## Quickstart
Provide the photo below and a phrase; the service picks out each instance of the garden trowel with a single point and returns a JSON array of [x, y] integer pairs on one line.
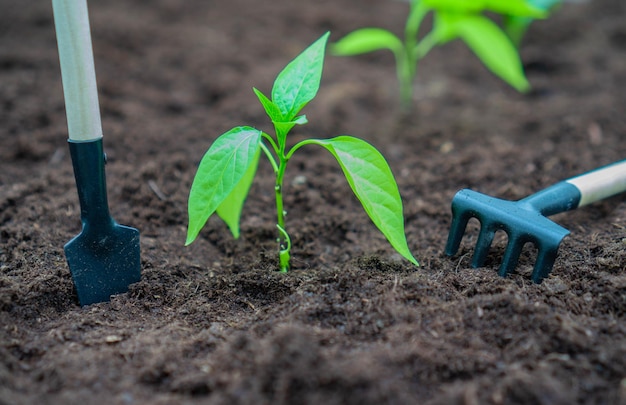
[[104, 258]]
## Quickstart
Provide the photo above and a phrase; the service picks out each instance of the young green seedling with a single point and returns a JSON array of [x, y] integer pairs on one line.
[[227, 170], [452, 19]]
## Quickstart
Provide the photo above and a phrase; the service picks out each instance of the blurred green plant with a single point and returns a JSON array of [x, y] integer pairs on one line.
[[452, 19], [227, 170]]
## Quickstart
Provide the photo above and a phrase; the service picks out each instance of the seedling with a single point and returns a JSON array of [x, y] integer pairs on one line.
[[452, 19], [227, 170]]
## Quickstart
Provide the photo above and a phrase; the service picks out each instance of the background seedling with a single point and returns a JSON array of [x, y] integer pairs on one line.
[[227, 170], [452, 19]]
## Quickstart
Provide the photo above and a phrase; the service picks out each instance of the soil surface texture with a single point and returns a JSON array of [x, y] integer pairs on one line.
[[353, 322]]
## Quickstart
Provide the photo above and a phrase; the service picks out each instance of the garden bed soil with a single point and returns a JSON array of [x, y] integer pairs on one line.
[[214, 323]]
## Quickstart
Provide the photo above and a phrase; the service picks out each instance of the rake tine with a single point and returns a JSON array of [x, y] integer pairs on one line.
[[485, 238], [460, 219], [511, 255], [545, 260]]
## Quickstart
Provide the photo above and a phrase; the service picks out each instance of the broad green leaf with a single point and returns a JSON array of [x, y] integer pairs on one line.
[[366, 40], [221, 169], [270, 108], [230, 209], [522, 8], [299, 82], [455, 6], [494, 48], [373, 183]]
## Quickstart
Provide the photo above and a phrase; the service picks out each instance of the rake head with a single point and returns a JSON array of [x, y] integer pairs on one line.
[[520, 220]]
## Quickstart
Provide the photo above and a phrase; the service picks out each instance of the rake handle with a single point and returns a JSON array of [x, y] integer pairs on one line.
[[601, 183], [580, 190]]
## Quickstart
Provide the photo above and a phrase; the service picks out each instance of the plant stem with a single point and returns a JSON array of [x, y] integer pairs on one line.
[[425, 45], [283, 237], [284, 253], [406, 80], [279, 167], [407, 66]]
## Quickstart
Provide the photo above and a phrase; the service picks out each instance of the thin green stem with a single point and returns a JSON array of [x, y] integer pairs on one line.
[[278, 188], [279, 167], [284, 241], [408, 58], [299, 145], [271, 141], [425, 45], [405, 77], [270, 157], [285, 251]]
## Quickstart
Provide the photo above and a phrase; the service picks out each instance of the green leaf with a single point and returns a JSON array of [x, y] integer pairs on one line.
[[495, 49], [455, 6], [373, 183], [521, 8], [230, 209], [299, 82], [282, 128], [220, 171], [489, 43], [270, 108], [366, 40]]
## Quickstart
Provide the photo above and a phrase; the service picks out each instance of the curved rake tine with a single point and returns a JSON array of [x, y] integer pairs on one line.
[[457, 229], [545, 260], [485, 238], [511, 255]]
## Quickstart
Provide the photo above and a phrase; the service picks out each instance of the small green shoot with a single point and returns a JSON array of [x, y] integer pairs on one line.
[[453, 19], [227, 170]]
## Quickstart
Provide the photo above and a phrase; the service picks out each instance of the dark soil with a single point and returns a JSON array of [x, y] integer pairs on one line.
[[353, 322]]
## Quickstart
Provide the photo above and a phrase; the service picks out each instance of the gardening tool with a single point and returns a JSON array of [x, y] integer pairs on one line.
[[525, 220], [104, 258]]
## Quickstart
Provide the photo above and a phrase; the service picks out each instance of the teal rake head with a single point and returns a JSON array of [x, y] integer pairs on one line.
[[525, 221], [521, 222]]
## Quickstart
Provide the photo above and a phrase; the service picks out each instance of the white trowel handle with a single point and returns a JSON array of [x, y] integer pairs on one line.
[[71, 21]]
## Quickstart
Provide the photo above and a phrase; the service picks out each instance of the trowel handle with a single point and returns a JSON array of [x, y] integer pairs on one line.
[[580, 190], [77, 69], [88, 161], [601, 183]]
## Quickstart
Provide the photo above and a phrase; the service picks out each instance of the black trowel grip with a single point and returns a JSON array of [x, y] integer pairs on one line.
[[88, 160]]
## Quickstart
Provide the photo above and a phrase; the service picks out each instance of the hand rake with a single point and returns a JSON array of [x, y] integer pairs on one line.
[[525, 220]]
